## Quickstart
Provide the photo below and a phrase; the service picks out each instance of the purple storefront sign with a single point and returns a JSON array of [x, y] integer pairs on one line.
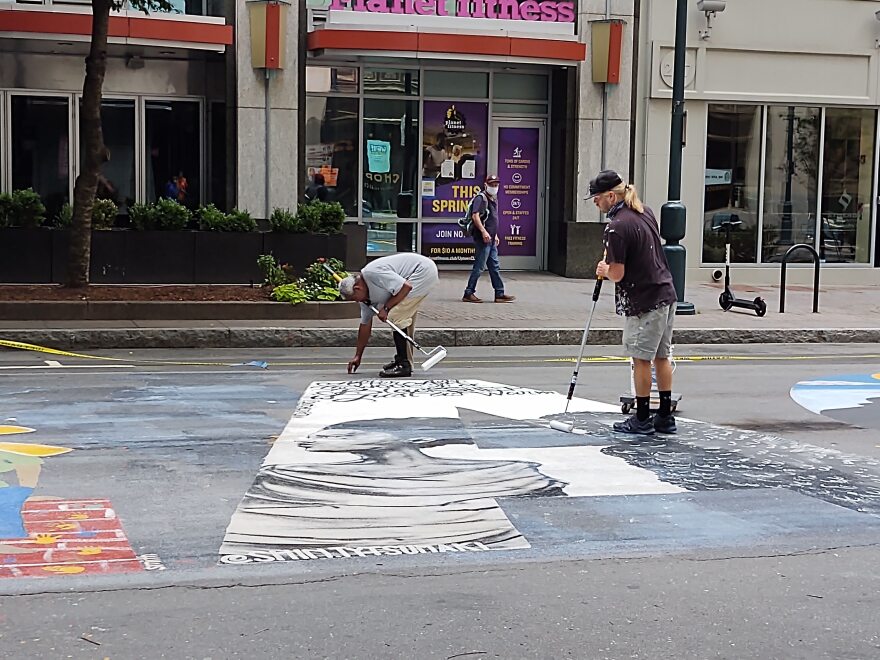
[[518, 150], [446, 242]]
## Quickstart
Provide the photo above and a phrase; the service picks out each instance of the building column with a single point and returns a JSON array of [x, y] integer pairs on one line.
[[250, 118]]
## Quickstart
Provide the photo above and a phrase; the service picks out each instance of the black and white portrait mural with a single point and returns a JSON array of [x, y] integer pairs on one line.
[[381, 468]]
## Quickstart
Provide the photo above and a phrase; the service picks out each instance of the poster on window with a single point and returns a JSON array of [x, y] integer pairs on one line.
[[518, 150], [454, 153]]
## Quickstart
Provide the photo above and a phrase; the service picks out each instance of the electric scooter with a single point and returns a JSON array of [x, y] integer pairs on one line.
[[727, 300]]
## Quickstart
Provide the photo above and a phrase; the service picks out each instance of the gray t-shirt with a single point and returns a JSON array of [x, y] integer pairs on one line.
[[386, 275]]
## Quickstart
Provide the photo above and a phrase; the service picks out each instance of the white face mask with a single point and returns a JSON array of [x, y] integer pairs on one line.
[[492, 190]]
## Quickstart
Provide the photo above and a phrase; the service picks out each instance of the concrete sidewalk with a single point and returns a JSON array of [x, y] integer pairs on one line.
[[548, 310]]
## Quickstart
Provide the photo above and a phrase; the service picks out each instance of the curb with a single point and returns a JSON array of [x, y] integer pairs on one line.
[[269, 337]]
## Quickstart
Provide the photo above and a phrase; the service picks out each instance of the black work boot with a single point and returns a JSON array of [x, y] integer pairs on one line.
[[391, 364], [399, 370]]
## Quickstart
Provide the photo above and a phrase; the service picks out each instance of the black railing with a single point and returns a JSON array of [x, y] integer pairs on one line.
[[793, 248]]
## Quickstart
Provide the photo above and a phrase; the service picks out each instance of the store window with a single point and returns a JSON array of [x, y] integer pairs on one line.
[[457, 84], [791, 180], [331, 147], [520, 86], [391, 81], [173, 151], [40, 148], [325, 79], [847, 180], [390, 164], [116, 180], [732, 181]]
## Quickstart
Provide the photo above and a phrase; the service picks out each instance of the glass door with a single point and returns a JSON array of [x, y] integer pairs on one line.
[[519, 150]]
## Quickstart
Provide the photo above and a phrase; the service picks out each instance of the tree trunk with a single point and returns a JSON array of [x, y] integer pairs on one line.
[[94, 152]]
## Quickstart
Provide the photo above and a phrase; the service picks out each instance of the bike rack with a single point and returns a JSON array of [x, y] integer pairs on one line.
[[815, 254]]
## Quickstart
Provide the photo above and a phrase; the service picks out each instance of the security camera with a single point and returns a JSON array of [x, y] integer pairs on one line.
[[717, 274], [711, 5]]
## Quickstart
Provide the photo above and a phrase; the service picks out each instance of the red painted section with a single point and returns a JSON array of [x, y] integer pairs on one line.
[[615, 47], [69, 537], [446, 43], [40, 22], [273, 36]]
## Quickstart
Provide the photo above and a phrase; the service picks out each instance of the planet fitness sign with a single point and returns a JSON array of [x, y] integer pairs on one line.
[[547, 11]]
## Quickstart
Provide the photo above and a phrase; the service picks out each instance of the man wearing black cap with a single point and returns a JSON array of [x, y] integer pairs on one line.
[[645, 295], [484, 213]]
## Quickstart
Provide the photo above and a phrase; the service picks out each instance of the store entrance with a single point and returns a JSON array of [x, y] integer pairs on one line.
[[518, 150]]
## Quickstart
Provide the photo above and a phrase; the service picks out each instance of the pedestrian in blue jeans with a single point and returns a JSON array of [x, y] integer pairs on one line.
[[484, 214]]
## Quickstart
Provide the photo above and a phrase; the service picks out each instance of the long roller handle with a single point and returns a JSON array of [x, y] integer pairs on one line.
[[597, 289]]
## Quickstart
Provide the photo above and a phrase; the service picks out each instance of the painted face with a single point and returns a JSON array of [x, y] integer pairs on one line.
[[351, 440]]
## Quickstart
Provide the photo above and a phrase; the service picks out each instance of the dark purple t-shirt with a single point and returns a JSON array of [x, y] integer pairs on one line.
[[633, 239]]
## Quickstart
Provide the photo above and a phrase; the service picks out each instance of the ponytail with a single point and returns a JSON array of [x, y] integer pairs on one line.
[[630, 196]]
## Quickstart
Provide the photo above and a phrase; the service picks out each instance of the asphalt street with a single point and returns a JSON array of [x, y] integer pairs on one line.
[[727, 562]]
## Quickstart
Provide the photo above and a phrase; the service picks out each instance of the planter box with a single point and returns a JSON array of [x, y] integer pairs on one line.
[[301, 250], [227, 257], [160, 257], [108, 261], [26, 255]]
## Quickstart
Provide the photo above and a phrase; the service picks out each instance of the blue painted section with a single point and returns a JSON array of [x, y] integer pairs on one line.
[[12, 499]]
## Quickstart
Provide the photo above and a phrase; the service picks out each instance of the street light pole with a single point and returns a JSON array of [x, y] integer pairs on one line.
[[673, 214]]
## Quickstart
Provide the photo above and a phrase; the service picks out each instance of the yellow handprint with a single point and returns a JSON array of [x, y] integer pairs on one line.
[[78, 516], [46, 539], [64, 527], [90, 551], [64, 569]]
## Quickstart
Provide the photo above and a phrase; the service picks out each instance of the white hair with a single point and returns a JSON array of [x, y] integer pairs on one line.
[[346, 287]]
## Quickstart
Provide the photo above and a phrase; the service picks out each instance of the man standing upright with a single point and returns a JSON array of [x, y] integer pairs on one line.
[[484, 214], [396, 286], [644, 293]]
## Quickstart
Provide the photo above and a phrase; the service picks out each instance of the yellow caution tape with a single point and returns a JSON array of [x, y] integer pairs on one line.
[[20, 345]]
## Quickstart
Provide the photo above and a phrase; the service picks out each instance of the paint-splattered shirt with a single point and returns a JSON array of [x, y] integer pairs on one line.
[[633, 239]]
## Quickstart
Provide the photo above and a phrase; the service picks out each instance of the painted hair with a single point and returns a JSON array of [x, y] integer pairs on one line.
[[630, 196], [418, 431]]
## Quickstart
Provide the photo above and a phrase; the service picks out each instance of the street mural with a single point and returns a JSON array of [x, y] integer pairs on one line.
[[42, 535], [850, 398], [369, 468]]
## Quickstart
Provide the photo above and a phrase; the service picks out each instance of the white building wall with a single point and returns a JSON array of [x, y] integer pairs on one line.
[[792, 52]]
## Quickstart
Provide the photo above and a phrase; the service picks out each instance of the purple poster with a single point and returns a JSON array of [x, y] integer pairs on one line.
[[518, 150], [454, 140]]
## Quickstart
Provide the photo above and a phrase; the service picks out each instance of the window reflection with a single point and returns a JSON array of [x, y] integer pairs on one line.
[[40, 148], [173, 151], [733, 167], [331, 147], [847, 178], [791, 180], [116, 180], [391, 147]]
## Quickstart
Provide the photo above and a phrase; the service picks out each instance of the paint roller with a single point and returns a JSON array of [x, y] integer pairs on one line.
[[432, 357], [568, 427]]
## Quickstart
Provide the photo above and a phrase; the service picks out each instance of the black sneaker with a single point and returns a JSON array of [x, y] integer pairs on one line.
[[665, 424], [633, 425], [397, 371]]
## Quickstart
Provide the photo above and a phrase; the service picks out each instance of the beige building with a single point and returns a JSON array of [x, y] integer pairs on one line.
[[781, 130]]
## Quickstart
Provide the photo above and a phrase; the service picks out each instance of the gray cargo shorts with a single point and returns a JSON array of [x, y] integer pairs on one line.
[[649, 336]]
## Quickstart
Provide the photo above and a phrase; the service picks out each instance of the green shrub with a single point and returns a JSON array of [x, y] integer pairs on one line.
[[324, 286], [64, 217], [332, 217], [170, 215], [308, 216], [273, 274], [5, 208], [26, 209], [282, 220], [142, 216], [211, 218], [289, 293], [104, 214], [240, 221]]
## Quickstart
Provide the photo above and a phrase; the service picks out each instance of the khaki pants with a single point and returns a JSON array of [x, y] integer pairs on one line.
[[403, 315]]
